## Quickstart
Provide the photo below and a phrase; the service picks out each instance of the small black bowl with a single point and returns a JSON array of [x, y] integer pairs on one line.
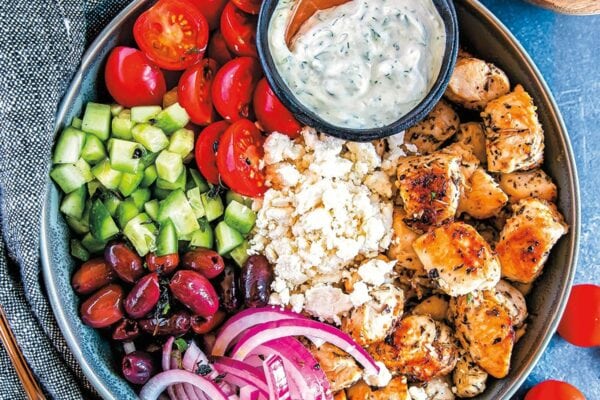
[[308, 117]]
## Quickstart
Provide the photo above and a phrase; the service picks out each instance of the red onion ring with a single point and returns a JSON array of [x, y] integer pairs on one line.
[[158, 383]]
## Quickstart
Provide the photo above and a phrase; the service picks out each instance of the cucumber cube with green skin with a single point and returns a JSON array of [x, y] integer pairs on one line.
[[150, 176], [68, 177], [108, 177], [121, 128], [93, 186], [177, 208], [78, 251], [199, 181], [111, 202], [151, 208], [172, 118], [96, 120], [213, 206], [140, 197], [227, 238], [93, 150], [240, 217], [231, 196], [76, 123], [143, 114], [93, 245], [169, 166], [204, 236], [151, 137], [115, 109], [240, 254], [178, 184], [130, 182], [182, 142], [85, 169], [167, 242], [126, 212], [125, 155], [195, 200], [161, 194], [73, 204], [141, 232], [102, 225], [69, 146], [79, 226]]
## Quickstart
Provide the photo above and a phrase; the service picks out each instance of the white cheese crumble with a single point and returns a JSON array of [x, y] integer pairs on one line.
[[380, 380]]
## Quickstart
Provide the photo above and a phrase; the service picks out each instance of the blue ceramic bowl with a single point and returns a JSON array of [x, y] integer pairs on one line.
[[482, 34]]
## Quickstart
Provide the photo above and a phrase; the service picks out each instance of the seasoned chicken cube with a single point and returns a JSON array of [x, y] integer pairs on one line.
[[514, 136], [468, 162], [468, 377], [482, 197], [374, 320], [437, 127], [458, 259], [435, 306], [341, 395], [485, 328], [396, 390], [471, 136], [429, 187], [534, 183], [339, 367], [401, 248], [527, 238], [513, 300], [438, 388], [419, 348], [475, 82]]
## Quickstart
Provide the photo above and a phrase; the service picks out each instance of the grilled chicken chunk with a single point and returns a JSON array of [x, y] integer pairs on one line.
[[341, 395], [475, 82], [485, 328], [468, 377], [436, 389], [429, 187], [471, 136], [482, 197], [468, 162], [435, 306], [514, 136], [397, 389], [419, 348], [513, 300], [458, 259], [521, 185], [437, 127], [339, 367], [527, 238]]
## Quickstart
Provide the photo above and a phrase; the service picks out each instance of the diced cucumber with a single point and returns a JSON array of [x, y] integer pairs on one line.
[[68, 146], [151, 137], [151, 208], [68, 177], [78, 251], [96, 120], [169, 166], [111, 202], [93, 150], [240, 217], [85, 169], [178, 209], [199, 181], [203, 237], [141, 232], [167, 242], [172, 118], [240, 254], [126, 212], [149, 158], [130, 182], [182, 142], [115, 109], [102, 226], [140, 197], [125, 155], [231, 196], [93, 186], [93, 245], [76, 123], [213, 206], [178, 184], [143, 114], [193, 196], [79, 226], [108, 177], [150, 176], [121, 127], [161, 194], [227, 238], [73, 204]]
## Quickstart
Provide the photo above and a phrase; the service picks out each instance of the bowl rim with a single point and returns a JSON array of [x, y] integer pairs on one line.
[[308, 117], [489, 18]]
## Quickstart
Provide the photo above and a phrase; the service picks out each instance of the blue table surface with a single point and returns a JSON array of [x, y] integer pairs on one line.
[[566, 49]]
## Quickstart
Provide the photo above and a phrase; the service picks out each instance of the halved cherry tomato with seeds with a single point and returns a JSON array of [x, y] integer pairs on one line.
[[271, 113], [249, 6], [239, 31], [206, 150], [238, 157], [172, 34], [233, 87], [194, 92], [218, 50], [211, 9]]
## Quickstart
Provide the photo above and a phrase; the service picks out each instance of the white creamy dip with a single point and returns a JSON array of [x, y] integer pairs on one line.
[[363, 64]]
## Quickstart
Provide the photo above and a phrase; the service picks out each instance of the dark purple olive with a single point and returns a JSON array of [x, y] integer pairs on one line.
[[205, 261], [164, 265], [256, 279], [92, 275], [201, 325], [127, 329], [195, 292], [125, 262], [230, 295], [143, 297], [138, 367], [104, 307], [176, 325]]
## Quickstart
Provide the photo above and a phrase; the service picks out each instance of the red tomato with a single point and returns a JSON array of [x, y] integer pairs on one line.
[[133, 80], [249, 6], [194, 92], [233, 87], [554, 390], [211, 9], [172, 34], [240, 151], [271, 113], [239, 31], [206, 150], [218, 50], [580, 324]]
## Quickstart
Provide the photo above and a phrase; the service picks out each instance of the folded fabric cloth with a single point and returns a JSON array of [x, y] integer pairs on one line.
[[41, 44]]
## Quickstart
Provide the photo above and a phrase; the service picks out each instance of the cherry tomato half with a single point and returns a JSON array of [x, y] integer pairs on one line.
[[239, 31], [218, 50], [206, 150], [194, 92], [554, 390], [211, 9], [133, 80], [580, 324], [249, 6], [240, 151], [271, 113], [233, 87], [172, 34]]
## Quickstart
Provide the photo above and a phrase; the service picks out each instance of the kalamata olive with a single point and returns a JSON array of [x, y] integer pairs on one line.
[[127, 329], [125, 262], [205, 261], [230, 295], [104, 307], [164, 265], [256, 279], [143, 297], [195, 292], [92, 275], [176, 325], [138, 367], [202, 325]]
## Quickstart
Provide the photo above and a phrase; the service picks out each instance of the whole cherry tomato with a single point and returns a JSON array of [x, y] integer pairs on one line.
[[580, 324], [172, 34], [218, 50], [554, 390], [271, 113], [249, 6], [211, 9], [240, 151], [194, 92], [206, 150], [239, 31], [132, 79], [233, 87]]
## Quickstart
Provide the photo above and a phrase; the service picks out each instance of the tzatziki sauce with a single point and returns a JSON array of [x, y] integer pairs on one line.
[[363, 64]]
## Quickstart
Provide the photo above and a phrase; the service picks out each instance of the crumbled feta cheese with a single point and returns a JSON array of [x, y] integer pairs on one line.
[[327, 303], [380, 380], [360, 294], [375, 271]]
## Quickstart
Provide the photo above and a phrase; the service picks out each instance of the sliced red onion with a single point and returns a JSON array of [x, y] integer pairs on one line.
[[166, 363], [158, 383], [180, 390], [128, 347], [193, 355], [249, 393], [247, 319], [279, 388], [240, 374]]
